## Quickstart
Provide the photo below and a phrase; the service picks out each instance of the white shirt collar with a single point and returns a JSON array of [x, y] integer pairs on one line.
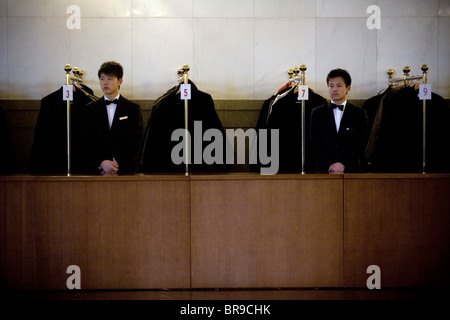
[[117, 97]]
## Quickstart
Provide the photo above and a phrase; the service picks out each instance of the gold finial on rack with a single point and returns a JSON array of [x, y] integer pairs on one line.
[[424, 69], [390, 73], [406, 71], [67, 68], [290, 73], [77, 72], [76, 75], [303, 69], [185, 68], [296, 72], [180, 75]]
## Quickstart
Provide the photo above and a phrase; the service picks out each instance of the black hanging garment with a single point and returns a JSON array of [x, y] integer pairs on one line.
[[396, 141], [283, 111], [371, 105], [49, 149], [168, 115], [7, 158]]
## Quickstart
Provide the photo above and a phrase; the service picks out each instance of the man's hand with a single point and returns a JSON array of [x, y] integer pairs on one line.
[[336, 168], [109, 168]]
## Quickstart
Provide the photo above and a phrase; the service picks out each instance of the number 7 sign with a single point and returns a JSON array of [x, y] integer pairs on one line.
[[303, 93]]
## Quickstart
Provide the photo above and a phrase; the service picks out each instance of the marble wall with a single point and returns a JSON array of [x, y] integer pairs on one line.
[[237, 49]]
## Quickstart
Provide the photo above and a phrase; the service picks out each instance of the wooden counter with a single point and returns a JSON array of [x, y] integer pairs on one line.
[[284, 231], [224, 231], [400, 223], [17, 232], [123, 232]]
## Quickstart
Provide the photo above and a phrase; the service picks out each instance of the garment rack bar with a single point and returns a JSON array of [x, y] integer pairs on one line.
[[406, 77]]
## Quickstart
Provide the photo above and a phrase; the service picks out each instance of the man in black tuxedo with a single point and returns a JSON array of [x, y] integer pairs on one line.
[[339, 129], [112, 127]]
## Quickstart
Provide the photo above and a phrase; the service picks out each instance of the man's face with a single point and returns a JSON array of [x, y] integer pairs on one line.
[[337, 89], [110, 84]]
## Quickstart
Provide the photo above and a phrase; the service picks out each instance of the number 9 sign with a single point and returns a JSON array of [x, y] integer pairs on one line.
[[425, 91]]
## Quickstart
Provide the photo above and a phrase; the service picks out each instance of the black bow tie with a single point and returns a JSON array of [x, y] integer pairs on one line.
[[334, 106], [107, 102]]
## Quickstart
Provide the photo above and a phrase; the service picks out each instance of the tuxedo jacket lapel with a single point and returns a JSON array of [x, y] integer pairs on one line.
[[117, 115], [103, 113], [346, 119], [331, 123], [122, 110]]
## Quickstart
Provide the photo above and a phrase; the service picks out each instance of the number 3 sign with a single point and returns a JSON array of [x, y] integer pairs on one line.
[[68, 92], [425, 91]]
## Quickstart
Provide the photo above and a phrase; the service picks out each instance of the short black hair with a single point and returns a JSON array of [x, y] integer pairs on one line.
[[111, 68], [340, 73]]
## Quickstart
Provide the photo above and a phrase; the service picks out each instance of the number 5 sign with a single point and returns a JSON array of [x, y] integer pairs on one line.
[[68, 92], [425, 91], [185, 92]]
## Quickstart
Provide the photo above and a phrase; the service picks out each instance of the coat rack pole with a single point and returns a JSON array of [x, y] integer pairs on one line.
[[424, 69], [186, 119], [68, 68], [303, 69]]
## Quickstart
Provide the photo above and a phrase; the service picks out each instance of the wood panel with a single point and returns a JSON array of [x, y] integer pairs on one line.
[[400, 223], [224, 231], [17, 235], [122, 234], [266, 232]]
